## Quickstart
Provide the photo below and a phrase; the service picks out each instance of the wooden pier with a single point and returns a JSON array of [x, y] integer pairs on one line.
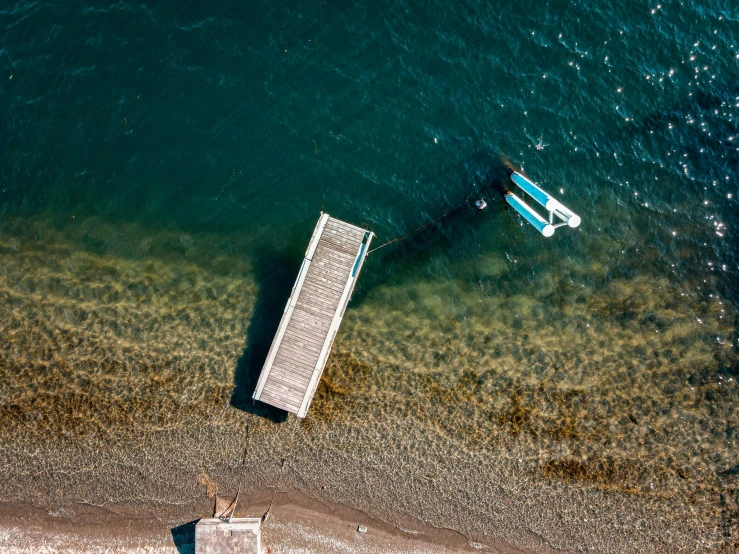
[[312, 315]]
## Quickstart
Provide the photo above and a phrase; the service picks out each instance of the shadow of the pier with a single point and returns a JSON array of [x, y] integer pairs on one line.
[[183, 537], [275, 273]]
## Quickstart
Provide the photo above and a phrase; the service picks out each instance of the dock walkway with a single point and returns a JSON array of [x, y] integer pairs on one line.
[[312, 315]]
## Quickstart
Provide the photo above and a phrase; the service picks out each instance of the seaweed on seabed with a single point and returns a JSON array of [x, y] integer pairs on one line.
[[344, 376], [605, 472]]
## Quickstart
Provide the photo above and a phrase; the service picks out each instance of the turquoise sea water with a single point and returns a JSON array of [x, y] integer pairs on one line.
[[163, 166]]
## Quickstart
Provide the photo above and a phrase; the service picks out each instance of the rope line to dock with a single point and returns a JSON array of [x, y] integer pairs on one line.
[[248, 426], [282, 470], [418, 228]]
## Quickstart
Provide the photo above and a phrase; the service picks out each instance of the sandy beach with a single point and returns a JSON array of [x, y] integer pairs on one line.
[[295, 524]]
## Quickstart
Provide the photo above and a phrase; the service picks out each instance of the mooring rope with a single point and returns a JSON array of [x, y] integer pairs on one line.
[[282, 469], [418, 228], [283, 462], [246, 442]]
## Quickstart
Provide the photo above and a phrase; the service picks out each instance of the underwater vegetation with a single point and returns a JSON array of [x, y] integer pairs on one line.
[[611, 381]]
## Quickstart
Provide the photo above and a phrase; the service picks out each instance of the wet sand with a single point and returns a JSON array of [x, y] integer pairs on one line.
[[295, 524]]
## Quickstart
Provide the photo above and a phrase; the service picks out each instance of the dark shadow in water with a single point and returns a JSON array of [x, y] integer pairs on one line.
[[275, 272], [275, 275], [705, 107], [700, 102], [482, 175], [183, 537]]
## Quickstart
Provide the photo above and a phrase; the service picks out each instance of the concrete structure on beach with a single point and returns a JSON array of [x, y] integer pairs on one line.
[[239, 535], [312, 315]]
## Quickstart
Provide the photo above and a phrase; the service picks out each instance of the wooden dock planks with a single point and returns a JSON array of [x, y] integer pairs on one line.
[[312, 315]]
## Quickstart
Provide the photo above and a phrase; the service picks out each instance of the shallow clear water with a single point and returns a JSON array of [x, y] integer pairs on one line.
[[163, 167]]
